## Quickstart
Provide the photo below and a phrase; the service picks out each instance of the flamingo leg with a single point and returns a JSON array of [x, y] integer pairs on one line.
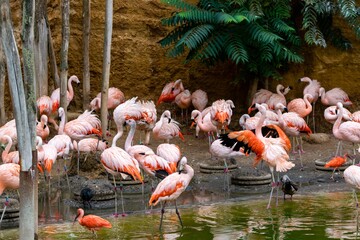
[[332, 175], [3, 213], [277, 189], [313, 116], [65, 170], [338, 148], [273, 184], [162, 214], [302, 166], [178, 214], [356, 199], [116, 211], [78, 159], [226, 178]]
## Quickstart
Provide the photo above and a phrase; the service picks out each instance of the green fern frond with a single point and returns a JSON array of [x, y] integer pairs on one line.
[[280, 26], [225, 18], [198, 16], [236, 50], [315, 36], [212, 48], [176, 51], [175, 35], [255, 6], [260, 34], [196, 36], [266, 53], [250, 16], [310, 17], [348, 8]]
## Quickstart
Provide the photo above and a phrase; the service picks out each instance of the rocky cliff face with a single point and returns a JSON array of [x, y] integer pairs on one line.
[[139, 66]]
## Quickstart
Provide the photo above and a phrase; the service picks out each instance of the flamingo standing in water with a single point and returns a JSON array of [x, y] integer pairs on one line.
[[273, 150], [352, 177], [167, 128], [91, 222], [170, 91], [313, 89], [346, 131], [42, 128], [55, 95], [199, 99], [171, 187], [333, 96]]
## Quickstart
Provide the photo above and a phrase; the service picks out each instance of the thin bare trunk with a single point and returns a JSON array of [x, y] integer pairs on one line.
[[252, 90], [106, 65], [86, 63], [65, 10], [53, 65], [27, 215], [2, 85]]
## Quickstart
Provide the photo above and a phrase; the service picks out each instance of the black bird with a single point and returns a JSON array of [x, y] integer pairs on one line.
[[288, 186], [86, 195]]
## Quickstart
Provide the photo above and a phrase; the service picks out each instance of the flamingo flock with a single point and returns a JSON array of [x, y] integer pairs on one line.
[[265, 135]]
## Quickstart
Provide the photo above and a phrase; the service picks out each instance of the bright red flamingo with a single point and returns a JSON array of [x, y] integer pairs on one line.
[[293, 125], [92, 222], [171, 153], [9, 176], [273, 150], [312, 88], [336, 163], [42, 128], [167, 128], [333, 96], [352, 177], [170, 91], [346, 131], [55, 95], [171, 187], [199, 99], [118, 162]]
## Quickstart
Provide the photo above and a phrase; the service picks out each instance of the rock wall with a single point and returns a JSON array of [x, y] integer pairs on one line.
[[139, 66]]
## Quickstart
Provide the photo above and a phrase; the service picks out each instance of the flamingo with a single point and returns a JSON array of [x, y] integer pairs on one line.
[[273, 150], [346, 131], [312, 88], [199, 99], [46, 159], [42, 128], [171, 153], [45, 106], [6, 155], [293, 125], [336, 163], [278, 97], [170, 91], [171, 187], [183, 101], [151, 163], [91, 222], [9, 176], [221, 112], [9, 129], [333, 96], [118, 162], [167, 128], [352, 177], [301, 106], [90, 145], [115, 98], [148, 119], [330, 114], [55, 95], [203, 123]]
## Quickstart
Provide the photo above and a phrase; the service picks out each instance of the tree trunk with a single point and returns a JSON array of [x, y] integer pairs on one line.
[[41, 49], [65, 10], [106, 65], [53, 65], [2, 85], [86, 63], [252, 90], [27, 219]]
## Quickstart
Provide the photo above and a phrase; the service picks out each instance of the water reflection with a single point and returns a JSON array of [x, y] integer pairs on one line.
[[326, 216]]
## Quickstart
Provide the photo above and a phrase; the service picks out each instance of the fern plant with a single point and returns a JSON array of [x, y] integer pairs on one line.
[[256, 35]]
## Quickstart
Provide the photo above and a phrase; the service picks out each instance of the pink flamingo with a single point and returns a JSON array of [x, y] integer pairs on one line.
[[6, 155], [273, 150], [204, 124], [333, 96], [221, 113], [278, 97], [118, 162], [115, 98], [313, 89], [46, 158], [9, 176], [167, 128], [170, 91], [183, 101], [352, 177], [248, 123], [55, 95], [346, 131], [330, 114], [271, 116], [147, 122], [293, 125], [9, 129], [90, 145], [199, 99], [42, 128], [301, 106], [171, 187], [171, 153], [45, 106]]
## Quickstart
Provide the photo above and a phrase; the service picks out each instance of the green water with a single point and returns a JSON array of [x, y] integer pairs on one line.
[[325, 216]]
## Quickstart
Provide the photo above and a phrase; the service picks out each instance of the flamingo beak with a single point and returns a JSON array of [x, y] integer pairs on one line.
[[193, 123], [75, 219]]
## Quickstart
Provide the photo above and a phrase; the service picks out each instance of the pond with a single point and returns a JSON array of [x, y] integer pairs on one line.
[[317, 216]]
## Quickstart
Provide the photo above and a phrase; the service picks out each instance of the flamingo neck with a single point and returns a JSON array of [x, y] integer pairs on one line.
[[337, 123], [8, 146], [117, 136], [281, 118], [130, 137], [278, 89], [70, 88], [258, 132], [62, 125], [98, 102], [307, 102]]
